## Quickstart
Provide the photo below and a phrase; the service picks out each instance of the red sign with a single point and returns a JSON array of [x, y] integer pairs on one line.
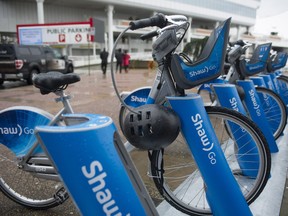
[[62, 38], [78, 37]]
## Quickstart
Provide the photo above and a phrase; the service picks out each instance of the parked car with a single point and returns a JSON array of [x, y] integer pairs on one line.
[[23, 61]]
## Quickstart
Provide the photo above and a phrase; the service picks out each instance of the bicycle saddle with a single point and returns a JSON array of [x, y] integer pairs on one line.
[[258, 61], [279, 62], [54, 81], [209, 64]]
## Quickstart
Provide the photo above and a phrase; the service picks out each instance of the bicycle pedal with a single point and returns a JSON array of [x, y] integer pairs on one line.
[[61, 195]]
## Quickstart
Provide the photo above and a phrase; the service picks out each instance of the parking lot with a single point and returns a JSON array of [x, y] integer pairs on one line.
[[93, 94]]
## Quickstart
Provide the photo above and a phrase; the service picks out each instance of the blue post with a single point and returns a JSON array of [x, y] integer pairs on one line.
[[283, 91], [223, 192], [258, 81], [228, 97], [92, 170], [268, 81], [256, 112], [275, 82]]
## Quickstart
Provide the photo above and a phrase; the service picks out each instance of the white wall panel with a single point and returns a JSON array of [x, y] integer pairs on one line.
[[14, 12]]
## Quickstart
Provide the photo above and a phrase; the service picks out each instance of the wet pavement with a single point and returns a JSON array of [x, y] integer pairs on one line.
[[93, 94]]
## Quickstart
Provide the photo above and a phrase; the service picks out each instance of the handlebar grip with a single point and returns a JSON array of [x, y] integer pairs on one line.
[[239, 42], [158, 20], [149, 35]]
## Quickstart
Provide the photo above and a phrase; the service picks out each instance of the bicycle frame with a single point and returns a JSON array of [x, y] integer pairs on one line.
[[236, 75], [30, 157], [207, 157]]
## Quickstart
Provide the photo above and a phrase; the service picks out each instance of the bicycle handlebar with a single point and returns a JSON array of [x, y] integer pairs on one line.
[[236, 49], [158, 20], [238, 42], [149, 35], [242, 43]]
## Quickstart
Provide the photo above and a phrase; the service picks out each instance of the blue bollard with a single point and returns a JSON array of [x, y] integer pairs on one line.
[[228, 97], [94, 173], [256, 112], [268, 81], [258, 81], [223, 192], [275, 82]]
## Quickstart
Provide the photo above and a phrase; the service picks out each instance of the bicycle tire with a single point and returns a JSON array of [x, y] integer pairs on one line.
[[275, 110], [283, 88], [178, 166], [21, 186]]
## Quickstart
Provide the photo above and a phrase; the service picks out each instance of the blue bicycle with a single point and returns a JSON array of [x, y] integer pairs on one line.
[[241, 69], [276, 62], [176, 173], [230, 161]]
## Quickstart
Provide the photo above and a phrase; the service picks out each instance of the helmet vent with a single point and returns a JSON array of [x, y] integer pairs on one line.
[[131, 118], [140, 131], [148, 115], [139, 116]]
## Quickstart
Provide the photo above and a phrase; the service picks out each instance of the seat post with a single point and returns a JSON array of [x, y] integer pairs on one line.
[[64, 99]]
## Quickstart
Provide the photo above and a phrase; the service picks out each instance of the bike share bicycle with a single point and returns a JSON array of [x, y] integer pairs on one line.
[[171, 167], [174, 32], [241, 69], [276, 62], [32, 181]]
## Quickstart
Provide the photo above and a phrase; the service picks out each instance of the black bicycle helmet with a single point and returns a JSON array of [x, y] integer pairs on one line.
[[153, 127]]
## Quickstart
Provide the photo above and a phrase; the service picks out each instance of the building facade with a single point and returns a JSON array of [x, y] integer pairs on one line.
[[203, 15]]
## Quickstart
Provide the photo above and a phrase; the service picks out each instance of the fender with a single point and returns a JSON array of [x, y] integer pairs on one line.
[[136, 97], [206, 86], [17, 127]]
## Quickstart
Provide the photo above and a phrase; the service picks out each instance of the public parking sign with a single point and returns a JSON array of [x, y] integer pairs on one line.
[[55, 33]]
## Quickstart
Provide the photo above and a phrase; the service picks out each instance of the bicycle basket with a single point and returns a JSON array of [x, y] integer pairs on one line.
[[258, 61], [210, 64], [278, 63]]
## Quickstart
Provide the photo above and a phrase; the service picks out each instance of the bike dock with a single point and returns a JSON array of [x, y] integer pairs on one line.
[[270, 200]]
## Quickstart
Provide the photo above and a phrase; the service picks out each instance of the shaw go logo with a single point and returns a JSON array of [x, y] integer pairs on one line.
[[17, 130]]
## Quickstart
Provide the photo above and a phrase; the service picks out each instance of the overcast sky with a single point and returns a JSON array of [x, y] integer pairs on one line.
[[272, 16]]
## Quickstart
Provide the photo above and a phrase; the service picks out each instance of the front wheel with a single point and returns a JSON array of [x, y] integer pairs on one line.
[[274, 109], [178, 179], [17, 137], [32, 73]]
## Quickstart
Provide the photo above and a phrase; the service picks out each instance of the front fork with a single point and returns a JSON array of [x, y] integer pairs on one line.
[[223, 193]]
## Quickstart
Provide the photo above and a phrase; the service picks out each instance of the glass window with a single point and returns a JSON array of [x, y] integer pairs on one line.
[[24, 51], [57, 54], [35, 51], [6, 50]]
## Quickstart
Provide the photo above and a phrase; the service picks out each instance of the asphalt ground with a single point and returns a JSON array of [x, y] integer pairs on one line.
[[93, 94]]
